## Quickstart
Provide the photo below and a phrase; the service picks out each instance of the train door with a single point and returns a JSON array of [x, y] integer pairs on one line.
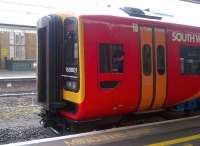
[[160, 76], [153, 68]]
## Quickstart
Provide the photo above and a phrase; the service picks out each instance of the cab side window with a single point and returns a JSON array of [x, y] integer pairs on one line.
[[117, 58], [104, 58], [111, 58]]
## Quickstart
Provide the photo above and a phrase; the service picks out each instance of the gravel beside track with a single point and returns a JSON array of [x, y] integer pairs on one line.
[[18, 134], [19, 120]]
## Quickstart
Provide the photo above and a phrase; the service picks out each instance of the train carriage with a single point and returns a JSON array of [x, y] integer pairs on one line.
[[93, 67]]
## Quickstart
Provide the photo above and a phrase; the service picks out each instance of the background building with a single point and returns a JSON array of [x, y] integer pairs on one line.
[[18, 46]]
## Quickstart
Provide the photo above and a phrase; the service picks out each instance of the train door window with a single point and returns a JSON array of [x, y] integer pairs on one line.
[[146, 55], [104, 58], [161, 59], [190, 60], [117, 58]]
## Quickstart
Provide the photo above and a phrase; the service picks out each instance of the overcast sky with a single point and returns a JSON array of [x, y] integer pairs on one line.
[[27, 12]]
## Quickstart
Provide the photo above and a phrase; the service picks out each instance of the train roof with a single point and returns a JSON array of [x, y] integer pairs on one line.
[[112, 11], [118, 12]]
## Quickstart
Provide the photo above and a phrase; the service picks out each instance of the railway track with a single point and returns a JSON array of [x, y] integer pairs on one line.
[[17, 86]]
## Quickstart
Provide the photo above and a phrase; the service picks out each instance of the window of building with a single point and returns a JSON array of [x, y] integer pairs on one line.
[[19, 52], [190, 60], [111, 58], [161, 60], [17, 45], [146, 57]]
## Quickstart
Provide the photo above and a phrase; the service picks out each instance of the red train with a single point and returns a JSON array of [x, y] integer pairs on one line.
[[96, 67]]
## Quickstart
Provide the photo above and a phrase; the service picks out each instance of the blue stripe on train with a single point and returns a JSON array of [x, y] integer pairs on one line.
[[188, 106]]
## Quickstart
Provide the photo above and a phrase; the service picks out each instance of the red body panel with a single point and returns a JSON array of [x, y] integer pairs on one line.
[[180, 87], [125, 98]]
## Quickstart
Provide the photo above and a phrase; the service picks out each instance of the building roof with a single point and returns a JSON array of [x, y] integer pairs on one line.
[[17, 28]]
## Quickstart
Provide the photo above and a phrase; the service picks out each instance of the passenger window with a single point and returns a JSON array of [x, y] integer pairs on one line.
[[117, 58], [146, 57], [190, 60], [161, 60], [104, 58]]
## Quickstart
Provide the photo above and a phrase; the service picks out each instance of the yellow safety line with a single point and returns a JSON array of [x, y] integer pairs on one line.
[[176, 141]]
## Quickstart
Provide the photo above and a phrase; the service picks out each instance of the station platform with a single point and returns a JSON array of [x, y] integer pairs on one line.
[[9, 75], [179, 132]]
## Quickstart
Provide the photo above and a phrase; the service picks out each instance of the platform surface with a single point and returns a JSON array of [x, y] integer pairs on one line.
[[180, 132], [6, 74]]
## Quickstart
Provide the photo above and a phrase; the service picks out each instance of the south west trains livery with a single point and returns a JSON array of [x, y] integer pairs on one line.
[[96, 68]]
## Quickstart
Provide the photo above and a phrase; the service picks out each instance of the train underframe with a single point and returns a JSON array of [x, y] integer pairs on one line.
[[63, 125]]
